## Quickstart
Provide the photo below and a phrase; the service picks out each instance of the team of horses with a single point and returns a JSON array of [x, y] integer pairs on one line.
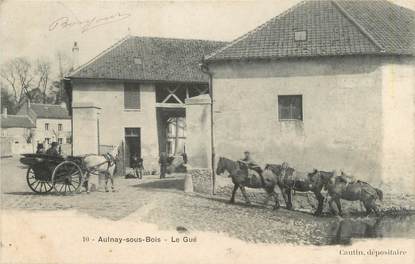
[[281, 175], [289, 180]]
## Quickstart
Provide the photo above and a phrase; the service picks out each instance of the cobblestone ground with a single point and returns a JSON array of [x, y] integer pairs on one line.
[[164, 203]]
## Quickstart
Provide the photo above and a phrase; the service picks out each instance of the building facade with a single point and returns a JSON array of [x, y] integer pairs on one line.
[[136, 91], [321, 86], [52, 124], [16, 134]]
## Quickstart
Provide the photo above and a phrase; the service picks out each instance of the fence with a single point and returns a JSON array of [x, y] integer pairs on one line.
[[14, 146], [6, 146]]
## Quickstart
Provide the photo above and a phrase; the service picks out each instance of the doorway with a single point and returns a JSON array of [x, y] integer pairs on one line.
[[171, 124], [132, 144]]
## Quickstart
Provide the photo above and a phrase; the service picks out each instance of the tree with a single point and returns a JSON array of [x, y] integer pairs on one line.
[[17, 74], [43, 70], [7, 101], [64, 68], [27, 81]]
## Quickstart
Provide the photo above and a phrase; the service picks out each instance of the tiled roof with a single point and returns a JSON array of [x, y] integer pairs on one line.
[[333, 28], [49, 111], [16, 121], [152, 59]]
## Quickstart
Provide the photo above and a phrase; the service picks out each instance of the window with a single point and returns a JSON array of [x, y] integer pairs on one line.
[[131, 96], [59, 127], [300, 35], [46, 126], [132, 131], [290, 107], [69, 140], [47, 140], [60, 140]]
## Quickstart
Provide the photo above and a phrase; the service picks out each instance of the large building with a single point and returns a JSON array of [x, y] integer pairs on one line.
[[136, 91], [326, 85]]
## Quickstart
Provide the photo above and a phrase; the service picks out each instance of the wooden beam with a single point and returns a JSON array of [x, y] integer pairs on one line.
[[170, 105]]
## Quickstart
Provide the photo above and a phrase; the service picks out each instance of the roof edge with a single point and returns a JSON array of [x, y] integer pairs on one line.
[[273, 58], [134, 80], [102, 53]]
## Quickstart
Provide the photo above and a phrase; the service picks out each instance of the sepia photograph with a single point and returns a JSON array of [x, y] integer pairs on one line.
[[207, 131]]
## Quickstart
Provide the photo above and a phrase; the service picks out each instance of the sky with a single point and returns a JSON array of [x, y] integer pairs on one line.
[[37, 29]]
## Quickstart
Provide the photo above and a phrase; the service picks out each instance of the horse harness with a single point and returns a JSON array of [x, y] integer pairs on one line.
[[109, 159], [287, 177], [251, 167]]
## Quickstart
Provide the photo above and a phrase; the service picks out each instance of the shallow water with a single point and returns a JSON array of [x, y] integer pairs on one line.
[[345, 230]]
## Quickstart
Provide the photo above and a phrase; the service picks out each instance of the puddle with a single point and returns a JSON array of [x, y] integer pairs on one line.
[[345, 230]]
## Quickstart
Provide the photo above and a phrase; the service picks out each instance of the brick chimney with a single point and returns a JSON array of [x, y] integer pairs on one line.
[[75, 55]]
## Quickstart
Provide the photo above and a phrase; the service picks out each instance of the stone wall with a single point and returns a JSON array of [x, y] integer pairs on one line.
[[202, 180], [198, 143]]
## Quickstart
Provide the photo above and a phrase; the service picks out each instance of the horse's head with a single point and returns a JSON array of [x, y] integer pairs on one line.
[[115, 152], [220, 168]]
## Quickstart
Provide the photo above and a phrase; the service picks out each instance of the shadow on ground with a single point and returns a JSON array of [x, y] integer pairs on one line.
[[27, 193], [172, 184]]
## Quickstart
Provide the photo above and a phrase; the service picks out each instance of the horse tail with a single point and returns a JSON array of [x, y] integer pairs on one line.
[[379, 193]]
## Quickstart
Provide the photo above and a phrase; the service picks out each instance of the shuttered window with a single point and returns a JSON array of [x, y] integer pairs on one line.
[[131, 96], [290, 107]]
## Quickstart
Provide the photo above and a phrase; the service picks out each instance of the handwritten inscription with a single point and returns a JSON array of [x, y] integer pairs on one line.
[[86, 24]]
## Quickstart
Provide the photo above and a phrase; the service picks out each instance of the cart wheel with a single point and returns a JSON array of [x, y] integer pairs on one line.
[[67, 177], [37, 185]]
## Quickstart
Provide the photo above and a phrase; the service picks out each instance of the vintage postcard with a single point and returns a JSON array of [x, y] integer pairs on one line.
[[207, 131]]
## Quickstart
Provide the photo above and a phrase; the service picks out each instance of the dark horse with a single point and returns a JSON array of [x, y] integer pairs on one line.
[[240, 177], [289, 179], [339, 187]]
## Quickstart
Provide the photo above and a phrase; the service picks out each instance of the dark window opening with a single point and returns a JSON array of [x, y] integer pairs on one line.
[[132, 96], [290, 107]]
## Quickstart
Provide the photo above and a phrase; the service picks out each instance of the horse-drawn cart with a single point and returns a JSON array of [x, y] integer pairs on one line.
[[45, 173]]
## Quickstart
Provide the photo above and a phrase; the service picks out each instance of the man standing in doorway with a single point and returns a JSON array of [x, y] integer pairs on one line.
[[163, 161]]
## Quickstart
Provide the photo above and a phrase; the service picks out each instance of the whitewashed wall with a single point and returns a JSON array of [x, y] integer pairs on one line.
[[398, 100], [342, 113], [109, 96]]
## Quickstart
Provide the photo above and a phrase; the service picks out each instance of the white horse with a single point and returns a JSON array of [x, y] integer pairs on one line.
[[101, 164]]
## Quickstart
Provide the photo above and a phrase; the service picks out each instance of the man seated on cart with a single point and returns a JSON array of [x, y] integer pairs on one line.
[[53, 150]]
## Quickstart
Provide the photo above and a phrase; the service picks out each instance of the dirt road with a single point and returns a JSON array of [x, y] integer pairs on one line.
[[164, 203]]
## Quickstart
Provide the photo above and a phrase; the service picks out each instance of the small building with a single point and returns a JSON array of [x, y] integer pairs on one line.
[[16, 134], [134, 94], [326, 85], [52, 124]]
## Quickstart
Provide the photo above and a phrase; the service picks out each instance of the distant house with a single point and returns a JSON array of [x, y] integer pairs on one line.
[[16, 134], [138, 86], [326, 85], [52, 123]]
